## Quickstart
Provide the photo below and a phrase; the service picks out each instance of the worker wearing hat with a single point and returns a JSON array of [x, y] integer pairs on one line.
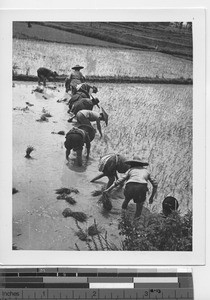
[[75, 78], [87, 116], [83, 103], [136, 178]]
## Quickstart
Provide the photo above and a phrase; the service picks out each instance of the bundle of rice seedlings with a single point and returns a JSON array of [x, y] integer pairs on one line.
[[82, 235], [43, 118], [61, 197], [28, 151], [63, 191], [105, 200], [73, 190], [70, 200], [29, 104], [14, 191], [61, 132], [93, 230], [79, 216], [96, 193], [47, 115]]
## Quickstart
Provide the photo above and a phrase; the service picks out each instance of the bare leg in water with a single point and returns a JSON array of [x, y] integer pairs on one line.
[[79, 157], [67, 154], [139, 207]]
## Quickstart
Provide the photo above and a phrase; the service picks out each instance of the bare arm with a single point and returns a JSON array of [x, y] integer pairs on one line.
[[154, 188], [118, 182], [87, 145], [99, 126]]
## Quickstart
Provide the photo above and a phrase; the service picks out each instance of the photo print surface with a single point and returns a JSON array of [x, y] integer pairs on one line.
[[102, 136]]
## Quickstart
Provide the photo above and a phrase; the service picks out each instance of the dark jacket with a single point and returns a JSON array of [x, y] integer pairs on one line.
[[46, 73], [81, 104]]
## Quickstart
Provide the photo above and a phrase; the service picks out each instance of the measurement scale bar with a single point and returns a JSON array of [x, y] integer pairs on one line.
[[96, 283], [111, 285]]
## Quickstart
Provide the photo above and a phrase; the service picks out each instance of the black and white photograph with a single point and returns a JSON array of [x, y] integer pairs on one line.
[[102, 136], [104, 142]]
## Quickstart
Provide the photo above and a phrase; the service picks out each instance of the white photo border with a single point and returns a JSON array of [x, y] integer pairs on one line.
[[22, 257]]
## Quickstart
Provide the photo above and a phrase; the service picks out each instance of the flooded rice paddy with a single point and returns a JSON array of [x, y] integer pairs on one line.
[[152, 121]]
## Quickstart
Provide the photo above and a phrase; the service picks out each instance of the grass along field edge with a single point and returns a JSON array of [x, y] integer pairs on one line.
[[113, 79]]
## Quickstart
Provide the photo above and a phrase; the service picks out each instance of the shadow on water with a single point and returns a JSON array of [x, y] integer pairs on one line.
[[73, 166]]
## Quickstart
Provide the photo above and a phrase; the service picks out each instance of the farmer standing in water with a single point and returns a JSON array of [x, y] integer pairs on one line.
[[75, 78], [136, 178]]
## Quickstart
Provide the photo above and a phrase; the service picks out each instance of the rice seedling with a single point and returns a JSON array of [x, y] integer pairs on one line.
[[29, 104], [96, 193], [82, 235], [93, 229], [29, 149], [38, 90], [106, 202], [64, 190], [100, 243], [47, 115], [43, 118], [70, 200], [66, 197], [59, 132], [79, 216]]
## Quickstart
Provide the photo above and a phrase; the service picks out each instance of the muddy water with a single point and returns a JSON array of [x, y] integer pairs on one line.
[[153, 121], [37, 214]]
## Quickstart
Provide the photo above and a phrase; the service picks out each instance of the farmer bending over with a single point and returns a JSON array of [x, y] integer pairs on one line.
[[84, 90], [44, 74], [136, 178], [87, 116], [83, 103], [109, 165], [76, 138]]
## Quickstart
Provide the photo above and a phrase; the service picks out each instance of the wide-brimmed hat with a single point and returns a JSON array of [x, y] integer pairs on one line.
[[77, 67], [105, 116], [89, 129], [136, 161]]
